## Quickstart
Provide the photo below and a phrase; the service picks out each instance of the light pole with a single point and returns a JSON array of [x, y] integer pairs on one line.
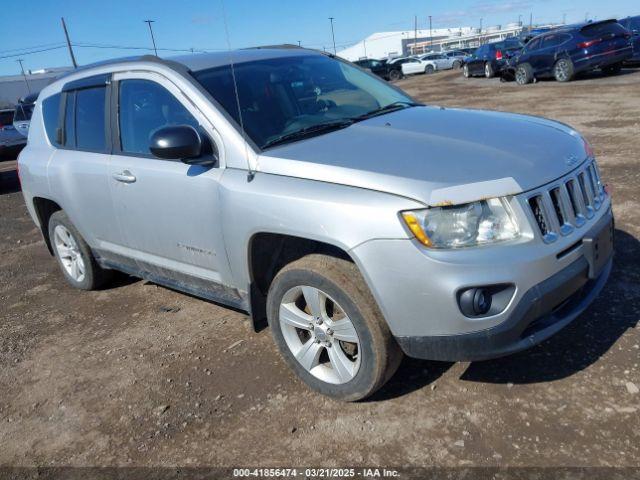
[[333, 37], [24, 75], [519, 20], [153, 40], [431, 34]]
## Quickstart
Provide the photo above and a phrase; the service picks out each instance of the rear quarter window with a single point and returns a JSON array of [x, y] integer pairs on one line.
[[51, 117]]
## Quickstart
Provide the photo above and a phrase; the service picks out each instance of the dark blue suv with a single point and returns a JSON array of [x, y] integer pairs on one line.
[[566, 51], [633, 25]]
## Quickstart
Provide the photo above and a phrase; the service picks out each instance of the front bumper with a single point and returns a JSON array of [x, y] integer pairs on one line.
[[416, 288], [542, 312]]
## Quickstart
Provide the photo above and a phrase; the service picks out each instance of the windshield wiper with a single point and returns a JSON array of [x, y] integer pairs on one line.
[[308, 131], [392, 107]]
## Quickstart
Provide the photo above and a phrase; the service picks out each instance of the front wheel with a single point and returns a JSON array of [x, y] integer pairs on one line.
[[429, 69], [488, 70], [524, 74], [465, 71], [563, 70], [329, 328]]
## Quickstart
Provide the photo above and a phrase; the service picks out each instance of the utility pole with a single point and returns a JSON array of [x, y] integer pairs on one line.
[[520, 20], [415, 34], [299, 44], [24, 75], [480, 34], [153, 40], [364, 44], [531, 21], [66, 34], [564, 18], [333, 37], [431, 34], [586, 16]]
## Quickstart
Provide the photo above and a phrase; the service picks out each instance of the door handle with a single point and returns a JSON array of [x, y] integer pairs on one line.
[[124, 177]]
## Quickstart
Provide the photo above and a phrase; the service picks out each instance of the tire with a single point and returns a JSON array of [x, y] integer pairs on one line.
[[612, 69], [79, 268], [429, 69], [465, 71], [524, 74], [456, 64], [563, 70], [373, 357], [488, 70], [395, 75]]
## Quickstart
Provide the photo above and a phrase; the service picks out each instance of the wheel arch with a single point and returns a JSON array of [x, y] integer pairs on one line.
[[269, 252], [44, 208]]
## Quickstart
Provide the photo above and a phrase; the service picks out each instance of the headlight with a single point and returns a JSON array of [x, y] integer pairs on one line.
[[467, 225]]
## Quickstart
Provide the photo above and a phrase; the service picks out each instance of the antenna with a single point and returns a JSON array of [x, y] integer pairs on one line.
[[250, 170]]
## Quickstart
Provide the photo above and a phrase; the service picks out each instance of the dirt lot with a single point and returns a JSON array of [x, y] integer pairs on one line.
[[140, 375]]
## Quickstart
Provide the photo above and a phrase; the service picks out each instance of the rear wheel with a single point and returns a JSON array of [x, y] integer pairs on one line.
[[563, 70], [488, 70], [429, 69], [612, 69], [457, 64], [465, 71], [329, 329], [74, 256], [524, 74], [395, 75]]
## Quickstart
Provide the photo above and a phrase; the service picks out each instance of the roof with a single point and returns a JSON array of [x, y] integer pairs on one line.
[[202, 61]]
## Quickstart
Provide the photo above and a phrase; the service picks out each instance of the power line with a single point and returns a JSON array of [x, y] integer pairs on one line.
[[32, 52], [44, 45]]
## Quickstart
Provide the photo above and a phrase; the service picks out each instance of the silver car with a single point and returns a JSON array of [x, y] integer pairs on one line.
[[297, 187]]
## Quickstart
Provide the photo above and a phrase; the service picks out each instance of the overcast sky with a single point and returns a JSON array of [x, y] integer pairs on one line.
[[33, 25]]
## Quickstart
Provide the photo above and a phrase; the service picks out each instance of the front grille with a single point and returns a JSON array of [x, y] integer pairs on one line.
[[567, 205]]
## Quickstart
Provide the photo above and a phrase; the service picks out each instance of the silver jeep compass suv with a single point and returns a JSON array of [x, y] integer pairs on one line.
[[300, 188]]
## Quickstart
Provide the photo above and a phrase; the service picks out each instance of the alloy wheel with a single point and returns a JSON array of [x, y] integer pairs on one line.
[[319, 334], [69, 253], [562, 70]]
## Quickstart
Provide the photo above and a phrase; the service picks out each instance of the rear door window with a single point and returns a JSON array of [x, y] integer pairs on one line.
[[90, 119]]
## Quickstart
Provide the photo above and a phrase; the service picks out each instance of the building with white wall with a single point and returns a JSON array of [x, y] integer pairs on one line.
[[394, 44]]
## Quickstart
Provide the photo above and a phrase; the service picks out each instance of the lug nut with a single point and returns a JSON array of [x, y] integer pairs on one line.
[[319, 321], [329, 331]]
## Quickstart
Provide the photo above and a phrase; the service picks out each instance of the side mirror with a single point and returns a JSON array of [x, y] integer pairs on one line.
[[184, 143], [176, 142]]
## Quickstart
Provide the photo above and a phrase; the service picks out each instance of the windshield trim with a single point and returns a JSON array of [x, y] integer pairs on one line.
[[236, 126]]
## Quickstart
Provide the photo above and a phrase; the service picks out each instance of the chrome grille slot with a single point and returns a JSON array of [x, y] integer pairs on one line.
[[556, 200], [586, 195], [566, 206]]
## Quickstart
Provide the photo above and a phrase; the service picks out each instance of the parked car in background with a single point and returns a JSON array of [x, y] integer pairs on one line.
[[458, 57], [412, 65], [633, 25], [381, 68], [564, 52], [441, 61], [529, 34], [24, 110], [11, 142], [293, 185], [491, 58]]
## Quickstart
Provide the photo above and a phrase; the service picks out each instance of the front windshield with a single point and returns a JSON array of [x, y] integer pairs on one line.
[[280, 96]]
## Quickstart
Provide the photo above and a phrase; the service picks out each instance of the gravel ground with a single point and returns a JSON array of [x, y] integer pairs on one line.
[[137, 374]]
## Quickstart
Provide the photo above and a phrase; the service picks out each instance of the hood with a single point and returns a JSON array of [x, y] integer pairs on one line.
[[436, 155]]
